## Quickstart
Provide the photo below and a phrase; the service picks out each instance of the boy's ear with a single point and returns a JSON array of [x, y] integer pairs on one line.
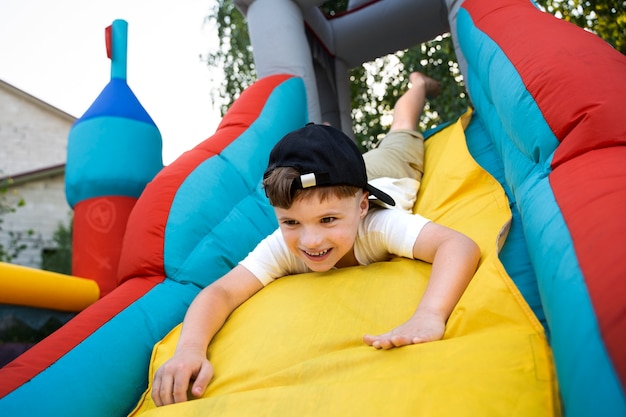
[[365, 203]]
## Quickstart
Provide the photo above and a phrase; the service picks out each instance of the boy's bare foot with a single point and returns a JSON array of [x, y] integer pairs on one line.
[[432, 87]]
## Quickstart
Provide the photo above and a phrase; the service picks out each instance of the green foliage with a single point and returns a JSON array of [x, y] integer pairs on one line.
[[234, 54], [333, 7], [375, 86], [15, 245], [59, 259], [56, 260], [606, 18]]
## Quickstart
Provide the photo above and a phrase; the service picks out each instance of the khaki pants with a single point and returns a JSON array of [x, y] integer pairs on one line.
[[399, 155]]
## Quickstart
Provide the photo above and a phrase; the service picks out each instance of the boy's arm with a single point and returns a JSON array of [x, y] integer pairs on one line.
[[454, 259], [205, 316]]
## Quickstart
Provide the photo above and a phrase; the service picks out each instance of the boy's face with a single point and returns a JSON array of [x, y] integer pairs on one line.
[[322, 233]]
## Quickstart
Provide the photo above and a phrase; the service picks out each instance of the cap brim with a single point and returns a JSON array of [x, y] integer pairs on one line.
[[380, 195]]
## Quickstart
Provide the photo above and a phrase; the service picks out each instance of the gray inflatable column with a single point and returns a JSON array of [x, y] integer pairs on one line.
[[453, 9], [279, 45]]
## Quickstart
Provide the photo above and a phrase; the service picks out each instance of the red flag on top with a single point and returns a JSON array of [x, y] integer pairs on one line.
[[109, 40]]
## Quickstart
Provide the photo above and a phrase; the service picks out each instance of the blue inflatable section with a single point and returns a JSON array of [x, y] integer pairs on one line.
[[514, 253], [203, 232], [111, 156], [117, 100]]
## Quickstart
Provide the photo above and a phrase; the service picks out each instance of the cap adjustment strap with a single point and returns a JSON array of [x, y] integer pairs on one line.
[[308, 180]]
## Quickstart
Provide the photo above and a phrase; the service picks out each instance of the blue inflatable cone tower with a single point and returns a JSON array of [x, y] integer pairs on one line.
[[113, 151]]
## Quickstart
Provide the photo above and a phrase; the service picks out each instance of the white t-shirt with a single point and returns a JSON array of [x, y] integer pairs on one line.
[[382, 234]]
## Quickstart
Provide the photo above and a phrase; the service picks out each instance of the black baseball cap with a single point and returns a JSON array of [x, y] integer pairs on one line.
[[324, 156]]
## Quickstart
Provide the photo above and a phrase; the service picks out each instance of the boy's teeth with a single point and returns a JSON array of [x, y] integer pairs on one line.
[[317, 253]]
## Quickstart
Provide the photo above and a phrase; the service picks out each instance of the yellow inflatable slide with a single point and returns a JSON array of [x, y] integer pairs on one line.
[[295, 348]]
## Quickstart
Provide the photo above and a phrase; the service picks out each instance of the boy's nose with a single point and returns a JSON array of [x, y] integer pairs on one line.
[[311, 238]]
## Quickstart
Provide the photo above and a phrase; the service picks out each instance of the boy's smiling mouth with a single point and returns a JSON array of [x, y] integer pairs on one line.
[[315, 254]]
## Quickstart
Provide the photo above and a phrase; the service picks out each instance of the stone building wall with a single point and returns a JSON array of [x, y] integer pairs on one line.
[[33, 151]]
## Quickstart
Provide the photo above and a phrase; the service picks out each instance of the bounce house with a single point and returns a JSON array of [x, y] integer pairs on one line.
[[534, 173]]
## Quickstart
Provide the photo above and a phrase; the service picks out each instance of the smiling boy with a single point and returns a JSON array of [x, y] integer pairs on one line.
[[317, 182]]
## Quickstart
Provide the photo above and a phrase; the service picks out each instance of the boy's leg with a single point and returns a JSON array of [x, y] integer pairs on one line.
[[401, 153], [409, 107]]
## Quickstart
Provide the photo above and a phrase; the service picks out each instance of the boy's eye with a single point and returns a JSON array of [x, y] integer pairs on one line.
[[328, 219], [290, 222]]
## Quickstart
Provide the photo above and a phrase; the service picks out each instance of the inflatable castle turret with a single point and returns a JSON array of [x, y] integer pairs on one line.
[[114, 150]]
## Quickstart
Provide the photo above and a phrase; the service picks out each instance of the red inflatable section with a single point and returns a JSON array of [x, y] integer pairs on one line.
[[589, 166], [99, 227]]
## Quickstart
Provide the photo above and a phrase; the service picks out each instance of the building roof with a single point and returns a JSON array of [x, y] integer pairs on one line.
[[21, 93], [25, 177]]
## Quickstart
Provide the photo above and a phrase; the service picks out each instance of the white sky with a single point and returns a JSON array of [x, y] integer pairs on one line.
[[55, 51]]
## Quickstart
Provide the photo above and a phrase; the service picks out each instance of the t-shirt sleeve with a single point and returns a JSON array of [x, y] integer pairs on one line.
[[386, 233], [271, 259]]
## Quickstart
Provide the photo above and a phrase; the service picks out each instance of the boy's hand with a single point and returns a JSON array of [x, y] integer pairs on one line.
[[418, 329], [171, 381]]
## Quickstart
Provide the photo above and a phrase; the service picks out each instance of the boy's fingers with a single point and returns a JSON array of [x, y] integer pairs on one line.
[[202, 380], [164, 390], [399, 341], [179, 389], [369, 339], [156, 387], [383, 342], [389, 341], [373, 341]]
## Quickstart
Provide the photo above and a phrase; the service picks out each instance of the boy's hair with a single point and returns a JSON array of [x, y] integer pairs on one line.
[[278, 188]]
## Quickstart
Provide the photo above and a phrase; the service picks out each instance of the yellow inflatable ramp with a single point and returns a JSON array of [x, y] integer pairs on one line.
[[295, 348]]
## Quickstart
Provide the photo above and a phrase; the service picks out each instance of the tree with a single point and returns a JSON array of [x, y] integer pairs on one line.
[[607, 18], [371, 111], [10, 249], [234, 54], [59, 259]]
